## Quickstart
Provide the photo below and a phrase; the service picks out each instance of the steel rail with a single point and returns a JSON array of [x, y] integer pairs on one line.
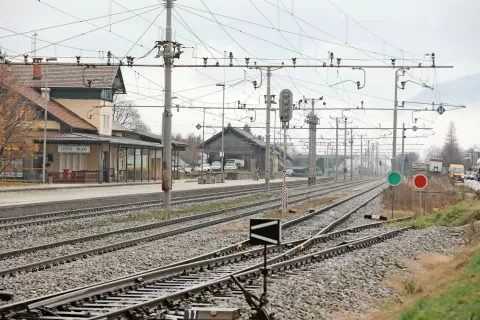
[[16, 252], [77, 213], [157, 304], [176, 269], [48, 263]]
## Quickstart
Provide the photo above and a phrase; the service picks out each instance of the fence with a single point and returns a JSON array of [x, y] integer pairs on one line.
[[33, 175], [75, 176]]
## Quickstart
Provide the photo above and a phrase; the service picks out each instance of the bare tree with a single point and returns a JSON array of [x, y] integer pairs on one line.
[[125, 113], [451, 150], [17, 121], [246, 127], [190, 155], [433, 152]]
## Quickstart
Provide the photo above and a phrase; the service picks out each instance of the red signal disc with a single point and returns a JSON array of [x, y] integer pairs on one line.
[[420, 181]]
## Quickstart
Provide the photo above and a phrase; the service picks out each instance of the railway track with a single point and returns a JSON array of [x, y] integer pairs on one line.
[[159, 291], [59, 260], [44, 218]]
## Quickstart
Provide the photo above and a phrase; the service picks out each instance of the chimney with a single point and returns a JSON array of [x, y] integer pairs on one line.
[[37, 68]]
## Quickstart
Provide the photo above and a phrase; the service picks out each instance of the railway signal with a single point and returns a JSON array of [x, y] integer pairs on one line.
[[394, 179], [420, 182]]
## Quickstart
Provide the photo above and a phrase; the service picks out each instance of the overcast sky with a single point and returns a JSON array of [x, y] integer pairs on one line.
[[374, 32]]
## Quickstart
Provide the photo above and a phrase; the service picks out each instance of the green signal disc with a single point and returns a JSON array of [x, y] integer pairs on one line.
[[394, 178]]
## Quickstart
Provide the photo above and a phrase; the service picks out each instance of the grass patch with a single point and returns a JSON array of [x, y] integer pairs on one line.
[[191, 210], [411, 287], [460, 301], [462, 213], [163, 214]]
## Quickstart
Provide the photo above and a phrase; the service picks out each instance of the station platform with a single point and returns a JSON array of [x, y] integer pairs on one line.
[[41, 200]]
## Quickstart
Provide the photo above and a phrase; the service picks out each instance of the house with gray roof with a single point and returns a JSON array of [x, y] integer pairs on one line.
[[240, 144]]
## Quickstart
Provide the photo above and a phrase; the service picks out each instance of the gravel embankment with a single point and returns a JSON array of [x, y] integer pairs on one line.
[[352, 282], [79, 246], [127, 261], [74, 228], [313, 225]]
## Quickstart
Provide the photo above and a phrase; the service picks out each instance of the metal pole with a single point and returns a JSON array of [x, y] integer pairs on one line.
[[361, 157], [265, 270], [167, 130], [285, 145], [395, 105], [345, 153], [368, 158], [203, 138], [325, 169], [351, 154], [267, 135], [223, 129], [402, 163], [45, 128], [336, 152]]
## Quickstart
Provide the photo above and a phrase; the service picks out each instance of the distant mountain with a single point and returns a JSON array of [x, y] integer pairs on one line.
[[464, 90]]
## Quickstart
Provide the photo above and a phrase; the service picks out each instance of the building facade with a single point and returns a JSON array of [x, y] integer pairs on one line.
[[84, 143]]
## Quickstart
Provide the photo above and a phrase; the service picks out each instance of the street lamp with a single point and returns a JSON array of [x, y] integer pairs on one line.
[[222, 153], [45, 122]]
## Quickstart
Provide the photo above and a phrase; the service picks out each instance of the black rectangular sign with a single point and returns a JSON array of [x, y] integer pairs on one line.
[[265, 231]]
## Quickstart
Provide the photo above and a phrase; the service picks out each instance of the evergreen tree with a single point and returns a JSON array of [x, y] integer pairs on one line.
[[451, 149]]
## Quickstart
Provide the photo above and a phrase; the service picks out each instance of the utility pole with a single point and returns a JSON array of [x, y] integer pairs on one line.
[[203, 138], [336, 152], [267, 135], [351, 154], [47, 98], [345, 153], [367, 156], [361, 157], [285, 124], [168, 56], [222, 153], [402, 163], [312, 121]]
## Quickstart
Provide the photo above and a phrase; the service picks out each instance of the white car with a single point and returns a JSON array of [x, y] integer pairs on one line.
[[289, 172], [188, 169], [216, 165], [230, 166], [206, 168]]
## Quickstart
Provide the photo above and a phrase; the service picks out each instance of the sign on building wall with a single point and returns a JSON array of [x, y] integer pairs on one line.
[[74, 149]]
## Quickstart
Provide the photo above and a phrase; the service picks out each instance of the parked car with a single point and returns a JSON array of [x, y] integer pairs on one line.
[[230, 166], [206, 168], [188, 169], [474, 176], [216, 165], [289, 172]]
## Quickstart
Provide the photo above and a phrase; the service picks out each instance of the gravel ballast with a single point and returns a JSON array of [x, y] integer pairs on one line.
[[352, 282], [119, 263]]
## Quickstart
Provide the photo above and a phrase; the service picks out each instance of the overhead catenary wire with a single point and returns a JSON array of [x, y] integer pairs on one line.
[[76, 22], [87, 32]]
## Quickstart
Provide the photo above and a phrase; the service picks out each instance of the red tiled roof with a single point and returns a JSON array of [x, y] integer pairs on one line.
[[56, 109]]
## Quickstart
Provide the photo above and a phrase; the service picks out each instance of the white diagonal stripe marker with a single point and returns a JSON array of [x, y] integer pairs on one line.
[[263, 225], [253, 235]]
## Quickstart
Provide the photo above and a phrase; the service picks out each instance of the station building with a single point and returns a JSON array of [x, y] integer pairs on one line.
[[242, 145], [84, 143]]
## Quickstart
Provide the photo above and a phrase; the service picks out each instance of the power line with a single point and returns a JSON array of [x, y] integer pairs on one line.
[[366, 29], [75, 22], [141, 36], [90, 31]]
